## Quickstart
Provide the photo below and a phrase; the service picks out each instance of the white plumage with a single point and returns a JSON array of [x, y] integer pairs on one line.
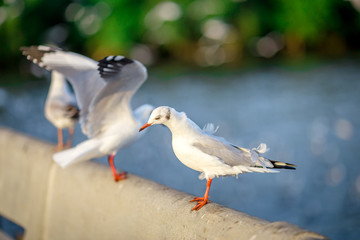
[[104, 90], [60, 108], [212, 156]]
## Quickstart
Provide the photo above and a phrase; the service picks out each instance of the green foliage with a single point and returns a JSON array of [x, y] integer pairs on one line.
[[207, 32], [308, 19]]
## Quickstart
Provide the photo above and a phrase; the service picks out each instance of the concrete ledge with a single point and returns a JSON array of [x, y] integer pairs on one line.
[[83, 202], [24, 172]]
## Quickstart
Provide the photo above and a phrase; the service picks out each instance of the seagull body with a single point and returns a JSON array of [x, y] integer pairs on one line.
[[211, 155], [104, 90], [60, 108]]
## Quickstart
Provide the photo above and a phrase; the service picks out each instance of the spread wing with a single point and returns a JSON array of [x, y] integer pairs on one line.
[[123, 77], [81, 71]]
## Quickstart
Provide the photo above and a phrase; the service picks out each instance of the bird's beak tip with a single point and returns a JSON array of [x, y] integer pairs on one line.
[[144, 126]]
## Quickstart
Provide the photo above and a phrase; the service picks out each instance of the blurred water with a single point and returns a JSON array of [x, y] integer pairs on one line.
[[308, 117]]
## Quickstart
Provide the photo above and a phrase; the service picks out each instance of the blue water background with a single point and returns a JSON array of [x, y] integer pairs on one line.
[[308, 116]]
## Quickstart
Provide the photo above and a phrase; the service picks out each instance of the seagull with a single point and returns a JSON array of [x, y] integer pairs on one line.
[[211, 155], [104, 91], [60, 108]]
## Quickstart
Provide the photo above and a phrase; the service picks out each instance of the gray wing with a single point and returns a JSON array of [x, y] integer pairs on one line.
[[123, 77], [81, 71], [226, 152]]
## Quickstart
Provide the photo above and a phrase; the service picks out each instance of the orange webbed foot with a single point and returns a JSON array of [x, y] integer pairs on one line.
[[201, 202], [200, 205], [120, 176], [197, 199]]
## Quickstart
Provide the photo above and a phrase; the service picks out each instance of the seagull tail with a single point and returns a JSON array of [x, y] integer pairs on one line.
[[84, 151], [283, 165]]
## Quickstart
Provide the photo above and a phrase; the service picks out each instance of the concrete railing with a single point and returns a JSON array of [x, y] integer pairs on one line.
[[83, 202]]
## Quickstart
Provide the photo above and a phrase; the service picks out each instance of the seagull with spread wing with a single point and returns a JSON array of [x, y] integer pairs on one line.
[[211, 155], [103, 90], [61, 109]]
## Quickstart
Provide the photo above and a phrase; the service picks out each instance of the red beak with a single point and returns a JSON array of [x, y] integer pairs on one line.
[[145, 126]]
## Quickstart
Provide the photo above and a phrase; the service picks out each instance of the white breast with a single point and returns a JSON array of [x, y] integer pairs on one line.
[[192, 157]]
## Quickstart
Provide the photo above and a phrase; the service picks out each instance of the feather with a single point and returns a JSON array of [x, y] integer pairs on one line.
[[84, 151]]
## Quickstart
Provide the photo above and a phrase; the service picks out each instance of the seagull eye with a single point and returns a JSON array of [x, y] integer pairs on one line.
[[158, 117]]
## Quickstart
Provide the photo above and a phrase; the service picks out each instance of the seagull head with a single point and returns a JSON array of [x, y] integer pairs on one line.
[[160, 115]]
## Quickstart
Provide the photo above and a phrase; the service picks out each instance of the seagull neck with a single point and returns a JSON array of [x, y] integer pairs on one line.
[[179, 124], [58, 86]]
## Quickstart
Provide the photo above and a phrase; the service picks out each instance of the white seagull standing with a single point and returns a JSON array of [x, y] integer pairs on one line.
[[211, 155], [103, 90], [61, 109]]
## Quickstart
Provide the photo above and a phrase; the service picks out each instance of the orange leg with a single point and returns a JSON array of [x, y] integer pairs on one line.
[[202, 200], [70, 138], [60, 144], [117, 176]]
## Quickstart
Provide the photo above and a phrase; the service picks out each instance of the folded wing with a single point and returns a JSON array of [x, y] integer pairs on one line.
[[228, 153]]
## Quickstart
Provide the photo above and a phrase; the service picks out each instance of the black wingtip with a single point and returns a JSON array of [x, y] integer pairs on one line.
[[283, 165], [112, 65]]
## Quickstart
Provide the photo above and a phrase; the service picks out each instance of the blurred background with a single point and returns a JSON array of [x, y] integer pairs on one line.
[[281, 72], [200, 32]]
